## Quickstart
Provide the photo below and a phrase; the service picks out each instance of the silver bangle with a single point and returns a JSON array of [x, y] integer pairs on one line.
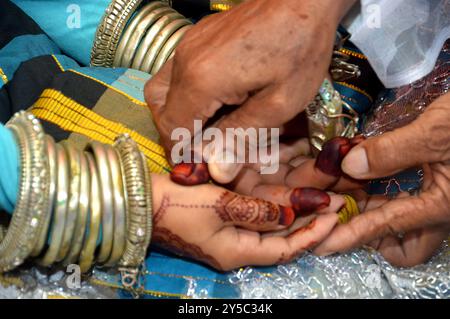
[[135, 31], [60, 208], [135, 40], [119, 206], [83, 208], [110, 30], [150, 37], [53, 174], [158, 43], [32, 205], [139, 205], [94, 221], [73, 201], [169, 48], [106, 200]]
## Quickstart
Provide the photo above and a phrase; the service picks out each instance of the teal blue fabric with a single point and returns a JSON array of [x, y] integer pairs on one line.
[[62, 27], [9, 168], [24, 48]]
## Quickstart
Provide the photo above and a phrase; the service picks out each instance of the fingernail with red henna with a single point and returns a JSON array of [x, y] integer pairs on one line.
[[287, 216], [190, 174], [333, 152], [308, 200]]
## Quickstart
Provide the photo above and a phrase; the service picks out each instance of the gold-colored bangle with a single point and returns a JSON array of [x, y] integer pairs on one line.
[[159, 42], [106, 200], [60, 210], [150, 37], [94, 221], [53, 175], [74, 199], [136, 29], [119, 206], [169, 48], [349, 211], [83, 208], [31, 209]]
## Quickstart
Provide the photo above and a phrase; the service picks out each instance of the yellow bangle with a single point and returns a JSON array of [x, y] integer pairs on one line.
[[349, 211]]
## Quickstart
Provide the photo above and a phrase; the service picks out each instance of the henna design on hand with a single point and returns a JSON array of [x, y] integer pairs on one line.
[[333, 152], [164, 238], [234, 208]]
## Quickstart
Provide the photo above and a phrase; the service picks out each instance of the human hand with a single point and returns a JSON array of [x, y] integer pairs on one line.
[[226, 231], [268, 57], [423, 220]]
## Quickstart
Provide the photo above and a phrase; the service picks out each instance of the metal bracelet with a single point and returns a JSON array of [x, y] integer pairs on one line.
[[106, 200], [53, 175], [73, 201], [169, 48], [83, 209], [94, 220], [60, 208], [150, 37], [110, 30], [136, 30], [158, 43], [139, 218], [32, 205], [119, 206]]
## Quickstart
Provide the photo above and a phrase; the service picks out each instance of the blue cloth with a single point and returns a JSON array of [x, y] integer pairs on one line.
[[72, 24], [24, 48], [9, 168]]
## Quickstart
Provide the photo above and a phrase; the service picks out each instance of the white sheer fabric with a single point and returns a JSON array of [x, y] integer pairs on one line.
[[401, 38]]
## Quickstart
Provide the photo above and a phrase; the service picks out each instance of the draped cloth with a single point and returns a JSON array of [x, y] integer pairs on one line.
[[401, 38]]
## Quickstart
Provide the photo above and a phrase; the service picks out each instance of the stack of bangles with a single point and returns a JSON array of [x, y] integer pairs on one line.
[[70, 201], [145, 43]]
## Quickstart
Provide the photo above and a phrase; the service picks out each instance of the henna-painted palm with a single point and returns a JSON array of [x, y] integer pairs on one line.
[[213, 225]]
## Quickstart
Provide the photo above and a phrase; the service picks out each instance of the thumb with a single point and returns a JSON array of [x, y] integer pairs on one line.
[[407, 147]]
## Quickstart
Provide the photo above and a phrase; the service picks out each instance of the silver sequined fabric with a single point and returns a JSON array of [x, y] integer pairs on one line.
[[360, 274]]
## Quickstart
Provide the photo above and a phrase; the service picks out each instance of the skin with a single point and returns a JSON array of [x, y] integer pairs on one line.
[[225, 230], [425, 219], [228, 58]]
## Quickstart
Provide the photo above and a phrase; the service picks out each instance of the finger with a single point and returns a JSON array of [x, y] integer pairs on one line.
[[156, 89], [253, 114], [414, 248], [307, 174], [396, 216], [251, 213], [423, 141], [257, 251]]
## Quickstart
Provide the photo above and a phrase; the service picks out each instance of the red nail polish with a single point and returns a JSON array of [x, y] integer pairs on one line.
[[308, 200], [287, 216], [190, 174], [333, 152]]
